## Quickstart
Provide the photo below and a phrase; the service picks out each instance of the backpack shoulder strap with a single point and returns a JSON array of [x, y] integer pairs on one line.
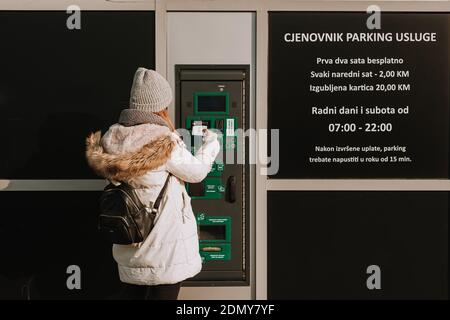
[[161, 193]]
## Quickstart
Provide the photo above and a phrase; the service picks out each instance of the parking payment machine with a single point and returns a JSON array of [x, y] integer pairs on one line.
[[216, 97]]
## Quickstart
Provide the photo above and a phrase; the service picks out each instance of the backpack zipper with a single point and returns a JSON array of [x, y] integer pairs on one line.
[[116, 217]]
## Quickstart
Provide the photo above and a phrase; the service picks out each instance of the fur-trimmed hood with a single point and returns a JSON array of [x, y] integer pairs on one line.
[[124, 153]]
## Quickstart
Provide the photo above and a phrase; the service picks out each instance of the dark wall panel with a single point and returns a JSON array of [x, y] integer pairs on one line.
[[57, 85], [41, 234], [321, 243]]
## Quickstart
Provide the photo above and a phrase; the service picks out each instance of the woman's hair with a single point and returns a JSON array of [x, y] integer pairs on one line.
[[165, 115]]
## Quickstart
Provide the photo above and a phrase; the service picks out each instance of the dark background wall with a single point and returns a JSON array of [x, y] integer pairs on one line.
[[56, 86], [41, 234], [321, 243]]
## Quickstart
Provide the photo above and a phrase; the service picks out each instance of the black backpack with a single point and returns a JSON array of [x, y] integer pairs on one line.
[[124, 219]]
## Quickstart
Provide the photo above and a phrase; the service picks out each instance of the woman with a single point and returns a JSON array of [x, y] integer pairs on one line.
[[141, 150]]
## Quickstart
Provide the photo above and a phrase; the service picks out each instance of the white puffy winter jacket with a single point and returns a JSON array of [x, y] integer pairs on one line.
[[142, 156]]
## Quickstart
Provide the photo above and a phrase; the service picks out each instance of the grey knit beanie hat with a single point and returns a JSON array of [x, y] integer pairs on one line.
[[150, 93]]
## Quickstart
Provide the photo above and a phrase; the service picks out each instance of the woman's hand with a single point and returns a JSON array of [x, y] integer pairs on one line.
[[209, 136]]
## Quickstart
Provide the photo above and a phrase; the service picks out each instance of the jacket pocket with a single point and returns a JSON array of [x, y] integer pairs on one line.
[[186, 210]]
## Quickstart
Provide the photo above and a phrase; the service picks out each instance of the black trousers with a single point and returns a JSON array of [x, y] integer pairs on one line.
[[159, 292]]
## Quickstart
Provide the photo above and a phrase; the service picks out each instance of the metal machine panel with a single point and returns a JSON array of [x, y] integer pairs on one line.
[[216, 97]]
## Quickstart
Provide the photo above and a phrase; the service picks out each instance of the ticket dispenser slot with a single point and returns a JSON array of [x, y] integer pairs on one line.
[[215, 237], [216, 97]]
